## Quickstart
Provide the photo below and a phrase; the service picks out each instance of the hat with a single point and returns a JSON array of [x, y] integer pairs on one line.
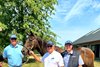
[[50, 43], [13, 36], [68, 42]]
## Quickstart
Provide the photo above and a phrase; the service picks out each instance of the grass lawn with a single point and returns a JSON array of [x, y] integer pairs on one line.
[[33, 63], [97, 63], [38, 64]]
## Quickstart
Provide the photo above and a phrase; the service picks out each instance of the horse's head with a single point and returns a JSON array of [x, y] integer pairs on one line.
[[37, 43], [30, 44]]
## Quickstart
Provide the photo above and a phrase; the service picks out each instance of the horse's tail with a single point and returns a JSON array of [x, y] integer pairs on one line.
[[88, 57]]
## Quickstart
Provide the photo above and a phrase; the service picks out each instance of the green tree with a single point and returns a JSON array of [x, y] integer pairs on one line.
[[24, 16]]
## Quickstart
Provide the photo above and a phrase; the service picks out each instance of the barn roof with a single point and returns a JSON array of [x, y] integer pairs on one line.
[[89, 37]]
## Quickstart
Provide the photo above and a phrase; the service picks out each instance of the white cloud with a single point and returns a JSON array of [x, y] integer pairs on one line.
[[63, 6], [97, 20], [77, 9], [61, 10], [69, 11], [96, 5]]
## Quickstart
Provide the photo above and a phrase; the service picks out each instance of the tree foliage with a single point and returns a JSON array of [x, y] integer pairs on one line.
[[24, 16]]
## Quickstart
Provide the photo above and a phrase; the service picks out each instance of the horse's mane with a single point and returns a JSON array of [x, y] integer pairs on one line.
[[40, 45]]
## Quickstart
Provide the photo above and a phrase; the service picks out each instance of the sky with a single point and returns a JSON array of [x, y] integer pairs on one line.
[[75, 18]]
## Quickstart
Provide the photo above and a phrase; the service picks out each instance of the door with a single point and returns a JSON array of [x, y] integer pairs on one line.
[[97, 51]]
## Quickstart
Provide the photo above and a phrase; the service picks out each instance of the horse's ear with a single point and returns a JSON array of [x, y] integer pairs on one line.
[[31, 34]]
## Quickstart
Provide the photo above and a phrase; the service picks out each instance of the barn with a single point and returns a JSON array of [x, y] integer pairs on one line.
[[90, 40]]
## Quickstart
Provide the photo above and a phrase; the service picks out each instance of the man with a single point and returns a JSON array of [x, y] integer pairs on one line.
[[71, 57], [50, 59], [13, 53]]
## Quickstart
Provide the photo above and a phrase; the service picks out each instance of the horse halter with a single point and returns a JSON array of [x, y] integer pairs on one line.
[[26, 48], [30, 43]]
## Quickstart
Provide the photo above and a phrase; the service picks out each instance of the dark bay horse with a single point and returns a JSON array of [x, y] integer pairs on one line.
[[34, 42]]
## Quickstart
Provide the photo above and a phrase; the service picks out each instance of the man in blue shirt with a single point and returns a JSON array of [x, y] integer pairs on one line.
[[13, 53]]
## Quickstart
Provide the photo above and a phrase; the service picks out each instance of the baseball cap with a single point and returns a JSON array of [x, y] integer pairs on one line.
[[68, 42], [50, 43], [13, 36]]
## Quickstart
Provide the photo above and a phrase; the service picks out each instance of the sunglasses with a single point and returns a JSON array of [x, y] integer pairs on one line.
[[68, 45], [13, 38], [49, 46]]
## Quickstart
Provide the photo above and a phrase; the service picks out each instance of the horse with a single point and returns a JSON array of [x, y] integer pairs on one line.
[[35, 43]]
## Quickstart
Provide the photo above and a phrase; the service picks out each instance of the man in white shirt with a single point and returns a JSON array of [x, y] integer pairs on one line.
[[71, 57], [50, 59]]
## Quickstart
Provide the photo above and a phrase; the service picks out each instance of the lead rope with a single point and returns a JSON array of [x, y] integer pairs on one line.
[[26, 59]]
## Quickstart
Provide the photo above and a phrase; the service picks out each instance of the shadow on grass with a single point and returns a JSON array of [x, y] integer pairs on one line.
[[30, 60]]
